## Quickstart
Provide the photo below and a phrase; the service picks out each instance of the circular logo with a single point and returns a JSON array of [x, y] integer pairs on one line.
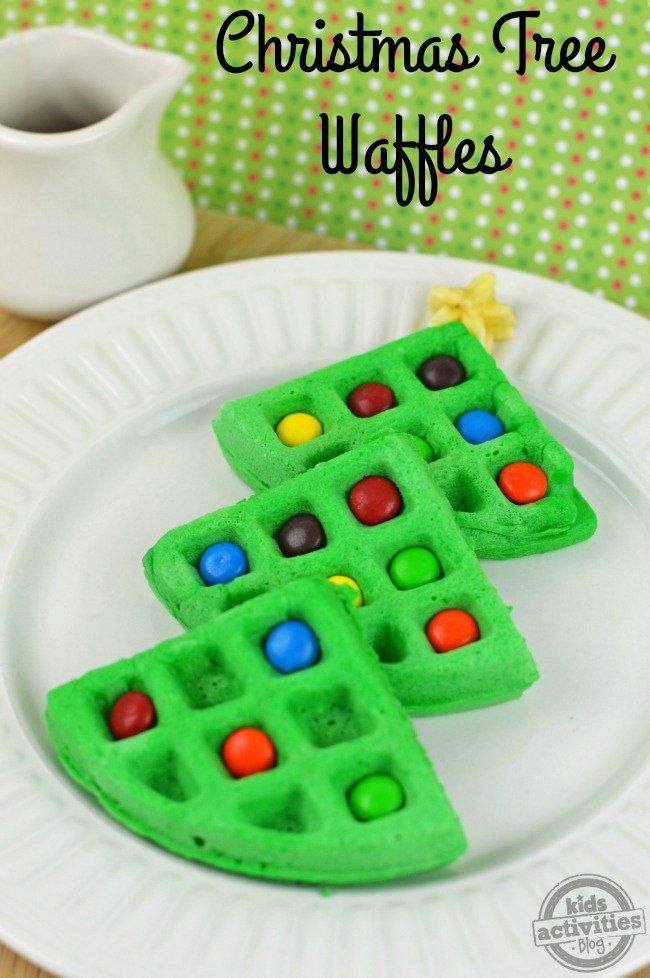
[[588, 923]]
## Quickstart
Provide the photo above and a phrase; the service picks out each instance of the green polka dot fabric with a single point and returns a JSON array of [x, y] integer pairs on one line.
[[570, 207]]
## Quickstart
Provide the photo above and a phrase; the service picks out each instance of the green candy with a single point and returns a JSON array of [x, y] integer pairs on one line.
[[424, 683], [414, 567], [423, 447], [375, 796]]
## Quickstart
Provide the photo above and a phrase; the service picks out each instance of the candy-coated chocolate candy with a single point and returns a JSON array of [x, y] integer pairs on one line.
[[479, 426], [369, 399], [374, 500], [451, 629], [301, 534], [414, 567], [222, 563], [375, 796], [523, 482], [131, 714], [341, 580], [442, 371], [423, 447], [296, 429], [248, 751], [292, 646]]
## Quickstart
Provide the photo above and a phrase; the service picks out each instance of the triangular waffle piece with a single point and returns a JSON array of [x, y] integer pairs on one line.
[[470, 473], [492, 666], [346, 795]]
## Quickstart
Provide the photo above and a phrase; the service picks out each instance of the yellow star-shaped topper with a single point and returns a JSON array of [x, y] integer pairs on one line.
[[474, 306]]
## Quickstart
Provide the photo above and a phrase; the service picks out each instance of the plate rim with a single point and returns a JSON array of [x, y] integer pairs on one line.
[[71, 330], [633, 319]]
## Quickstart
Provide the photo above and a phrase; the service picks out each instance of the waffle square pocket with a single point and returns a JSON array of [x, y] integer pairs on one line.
[[206, 746], [508, 480], [375, 523]]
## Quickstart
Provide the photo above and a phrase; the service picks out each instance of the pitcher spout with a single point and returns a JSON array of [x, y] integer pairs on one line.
[[66, 85]]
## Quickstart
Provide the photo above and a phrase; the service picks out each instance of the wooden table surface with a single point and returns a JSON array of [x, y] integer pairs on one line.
[[219, 238]]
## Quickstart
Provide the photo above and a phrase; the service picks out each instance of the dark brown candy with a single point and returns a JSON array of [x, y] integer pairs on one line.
[[301, 534], [442, 371]]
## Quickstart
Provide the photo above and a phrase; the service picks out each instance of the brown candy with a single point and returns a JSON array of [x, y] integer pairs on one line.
[[442, 371], [301, 534]]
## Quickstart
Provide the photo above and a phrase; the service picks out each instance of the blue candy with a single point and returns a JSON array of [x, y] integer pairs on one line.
[[479, 426], [292, 646], [222, 563]]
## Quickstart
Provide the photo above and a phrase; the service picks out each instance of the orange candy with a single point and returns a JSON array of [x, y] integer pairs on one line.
[[248, 751], [451, 629], [523, 482]]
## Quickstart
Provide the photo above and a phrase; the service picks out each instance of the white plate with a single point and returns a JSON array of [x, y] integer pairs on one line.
[[105, 443]]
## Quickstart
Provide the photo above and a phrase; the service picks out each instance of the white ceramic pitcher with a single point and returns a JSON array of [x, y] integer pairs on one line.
[[89, 206]]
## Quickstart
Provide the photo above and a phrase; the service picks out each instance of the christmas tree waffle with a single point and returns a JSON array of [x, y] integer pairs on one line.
[[508, 480], [213, 747], [374, 520]]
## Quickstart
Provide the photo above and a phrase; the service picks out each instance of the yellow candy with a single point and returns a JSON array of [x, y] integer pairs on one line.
[[296, 429], [342, 581]]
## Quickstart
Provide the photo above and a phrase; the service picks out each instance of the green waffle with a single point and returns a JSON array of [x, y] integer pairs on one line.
[[496, 668], [467, 473], [332, 724]]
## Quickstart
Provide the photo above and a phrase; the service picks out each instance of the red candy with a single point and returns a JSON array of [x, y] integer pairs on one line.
[[451, 629], [248, 751], [132, 714], [375, 500], [522, 482], [369, 399]]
